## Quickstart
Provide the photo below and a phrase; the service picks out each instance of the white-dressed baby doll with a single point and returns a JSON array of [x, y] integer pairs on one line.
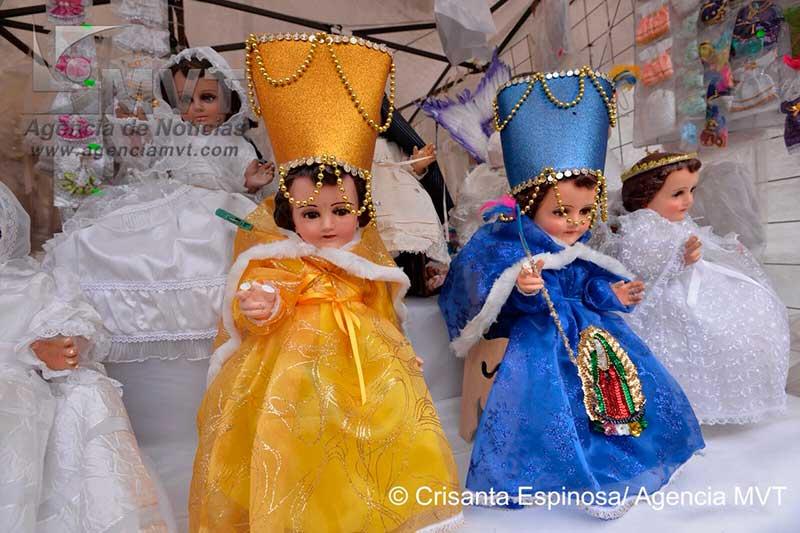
[[152, 256], [70, 462], [709, 312]]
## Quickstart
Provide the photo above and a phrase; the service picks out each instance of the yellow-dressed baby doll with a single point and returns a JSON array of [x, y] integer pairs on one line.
[[317, 417]]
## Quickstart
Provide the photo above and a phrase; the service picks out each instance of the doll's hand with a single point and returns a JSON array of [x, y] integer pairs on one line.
[[530, 281], [435, 274], [691, 252], [256, 301], [629, 292], [428, 151], [58, 353], [256, 175]]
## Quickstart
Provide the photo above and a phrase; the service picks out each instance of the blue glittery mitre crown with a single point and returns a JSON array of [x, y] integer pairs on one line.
[[554, 125]]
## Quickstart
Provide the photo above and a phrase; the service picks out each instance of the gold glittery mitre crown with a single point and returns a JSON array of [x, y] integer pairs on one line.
[[640, 168], [320, 97]]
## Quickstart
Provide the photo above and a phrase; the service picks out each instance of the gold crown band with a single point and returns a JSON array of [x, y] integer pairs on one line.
[[251, 47], [329, 164], [551, 176], [640, 168], [541, 77]]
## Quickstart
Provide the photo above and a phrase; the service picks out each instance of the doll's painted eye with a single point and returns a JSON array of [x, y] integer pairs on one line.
[[341, 211], [586, 210], [311, 214], [208, 97], [559, 213]]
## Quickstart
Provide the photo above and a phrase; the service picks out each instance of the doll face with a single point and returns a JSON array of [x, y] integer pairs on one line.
[[676, 196], [328, 222], [205, 107], [577, 202]]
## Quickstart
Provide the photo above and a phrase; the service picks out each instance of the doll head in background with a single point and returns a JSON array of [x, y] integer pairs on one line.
[[554, 130], [198, 83], [329, 221], [663, 182]]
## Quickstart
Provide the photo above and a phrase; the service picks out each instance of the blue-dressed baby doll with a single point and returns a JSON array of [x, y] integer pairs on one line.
[[579, 402]]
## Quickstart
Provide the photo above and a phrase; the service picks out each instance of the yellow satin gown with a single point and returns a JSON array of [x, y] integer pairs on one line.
[[321, 411]]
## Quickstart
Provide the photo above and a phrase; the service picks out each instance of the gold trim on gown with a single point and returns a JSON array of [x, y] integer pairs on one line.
[[288, 441]]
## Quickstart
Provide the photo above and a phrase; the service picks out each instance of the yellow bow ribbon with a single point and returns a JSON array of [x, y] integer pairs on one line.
[[347, 321]]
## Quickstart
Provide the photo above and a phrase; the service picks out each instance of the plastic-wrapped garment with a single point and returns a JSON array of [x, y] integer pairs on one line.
[[536, 417], [726, 199], [715, 33], [465, 27], [552, 31], [148, 32], [717, 325], [689, 87], [136, 38], [77, 175], [791, 130], [152, 256], [407, 220], [151, 13], [67, 11], [655, 106], [70, 460]]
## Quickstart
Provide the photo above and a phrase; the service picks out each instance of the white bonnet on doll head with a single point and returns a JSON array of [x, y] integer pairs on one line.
[[495, 150], [15, 227]]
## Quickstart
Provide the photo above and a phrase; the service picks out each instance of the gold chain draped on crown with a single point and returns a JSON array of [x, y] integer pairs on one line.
[[541, 77], [325, 153], [251, 47], [551, 176]]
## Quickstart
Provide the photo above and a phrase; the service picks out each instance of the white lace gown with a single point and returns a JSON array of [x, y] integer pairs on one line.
[[69, 458], [717, 325]]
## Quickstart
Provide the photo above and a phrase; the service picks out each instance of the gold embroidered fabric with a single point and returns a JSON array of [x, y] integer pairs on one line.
[[285, 443]]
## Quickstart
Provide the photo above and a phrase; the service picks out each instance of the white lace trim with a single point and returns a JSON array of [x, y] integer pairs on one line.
[[154, 286], [138, 38], [613, 513], [187, 350], [750, 418], [153, 13], [165, 336]]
